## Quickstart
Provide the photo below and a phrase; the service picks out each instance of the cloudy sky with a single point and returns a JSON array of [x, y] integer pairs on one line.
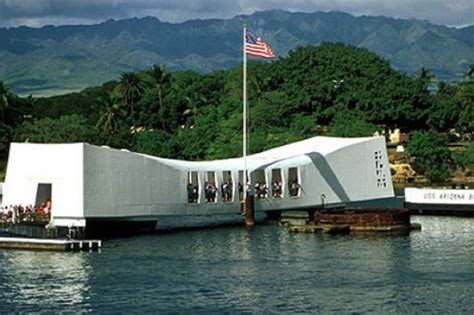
[[56, 12]]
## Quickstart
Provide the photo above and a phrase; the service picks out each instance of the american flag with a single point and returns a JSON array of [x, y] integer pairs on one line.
[[256, 47]]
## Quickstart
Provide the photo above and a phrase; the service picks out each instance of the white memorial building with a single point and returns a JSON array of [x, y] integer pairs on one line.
[[90, 184]]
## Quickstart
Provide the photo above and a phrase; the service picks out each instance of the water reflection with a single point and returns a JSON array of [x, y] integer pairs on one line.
[[33, 281], [260, 270]]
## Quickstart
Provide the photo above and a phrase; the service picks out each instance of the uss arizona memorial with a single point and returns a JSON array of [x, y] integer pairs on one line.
[[89, 184]]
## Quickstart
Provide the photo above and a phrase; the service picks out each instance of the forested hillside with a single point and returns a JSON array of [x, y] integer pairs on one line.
[[330, 89], [53, 60]]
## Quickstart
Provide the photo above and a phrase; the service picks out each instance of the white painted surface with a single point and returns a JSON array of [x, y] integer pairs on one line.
[[400, 149], [103, 183], [58, 164], [440, 196], [44, 241]]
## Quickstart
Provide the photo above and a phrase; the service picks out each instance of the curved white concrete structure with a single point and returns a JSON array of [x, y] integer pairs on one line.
[[88, 183]]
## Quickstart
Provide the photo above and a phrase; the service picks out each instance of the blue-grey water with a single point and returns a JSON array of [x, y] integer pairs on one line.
[[260, 270]]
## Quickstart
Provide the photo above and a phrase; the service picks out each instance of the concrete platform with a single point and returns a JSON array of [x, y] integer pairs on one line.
[[49, 244]]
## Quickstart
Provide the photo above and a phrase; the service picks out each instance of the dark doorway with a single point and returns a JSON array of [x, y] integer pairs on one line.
[[43, 194]]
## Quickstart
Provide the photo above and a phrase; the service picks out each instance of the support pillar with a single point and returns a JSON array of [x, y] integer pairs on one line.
[[249, 211]]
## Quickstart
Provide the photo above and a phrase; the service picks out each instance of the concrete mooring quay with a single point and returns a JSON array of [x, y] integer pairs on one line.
[[50, 244]]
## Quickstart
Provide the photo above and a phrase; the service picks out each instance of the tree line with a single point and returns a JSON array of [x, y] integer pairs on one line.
[[331, 89]]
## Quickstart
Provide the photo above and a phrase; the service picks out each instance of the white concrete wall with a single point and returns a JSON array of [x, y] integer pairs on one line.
[[123, 184], [103, 183], [58, 164], [355, 169], [343, 176]]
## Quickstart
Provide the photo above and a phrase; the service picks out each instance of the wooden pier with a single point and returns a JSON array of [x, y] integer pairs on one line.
[[50, 244]]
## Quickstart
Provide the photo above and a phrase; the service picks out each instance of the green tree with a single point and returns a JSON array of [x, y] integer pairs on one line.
[[131, 91], [162, 81], [111, 115], [227, 141], [334, 77], [3, 101], [465, 99], [431, 155], [193, 103], [347, 124], [470, 73], [65, 129], [13, 111], [5, 134], [199, 116], [156, 143], [5, 130], [444, 112], [466, 158]]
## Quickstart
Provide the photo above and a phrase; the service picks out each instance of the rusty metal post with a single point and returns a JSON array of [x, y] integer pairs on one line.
[[249, 211]]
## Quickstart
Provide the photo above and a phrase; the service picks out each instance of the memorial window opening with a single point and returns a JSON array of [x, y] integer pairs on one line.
[[193, 187], [293, 182], [277, 183], [227, 186], [261, 187], [210, 187]]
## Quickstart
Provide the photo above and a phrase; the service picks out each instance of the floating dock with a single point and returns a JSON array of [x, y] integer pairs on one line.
[[50, 244]]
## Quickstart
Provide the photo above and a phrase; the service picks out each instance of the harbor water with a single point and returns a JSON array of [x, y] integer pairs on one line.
[[260, 270]]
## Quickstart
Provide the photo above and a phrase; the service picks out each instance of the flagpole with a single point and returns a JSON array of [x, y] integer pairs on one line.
[[244, 115]]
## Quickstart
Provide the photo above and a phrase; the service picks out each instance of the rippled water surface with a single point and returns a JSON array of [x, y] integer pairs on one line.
[[264, 269]]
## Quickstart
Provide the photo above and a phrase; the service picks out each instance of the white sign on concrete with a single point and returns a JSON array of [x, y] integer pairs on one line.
[[440, 196]]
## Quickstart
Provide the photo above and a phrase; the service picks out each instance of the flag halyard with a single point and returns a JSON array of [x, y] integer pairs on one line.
[[256, 47]]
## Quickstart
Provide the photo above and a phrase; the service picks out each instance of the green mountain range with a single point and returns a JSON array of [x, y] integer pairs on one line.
[[58, 59]]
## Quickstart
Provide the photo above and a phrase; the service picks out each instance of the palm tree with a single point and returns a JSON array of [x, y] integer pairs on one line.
[[193, 103], [110, 118], [465, 95], [471, 70], [257, 84], [470, 73], [425, 75], [3, 101], [162, 79], [131, 91]]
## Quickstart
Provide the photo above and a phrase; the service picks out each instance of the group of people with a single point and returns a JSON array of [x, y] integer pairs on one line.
[[210, 191], [277, 189], [193, 193], [261, 190], [227, 191], [19, 213], [294, 188]]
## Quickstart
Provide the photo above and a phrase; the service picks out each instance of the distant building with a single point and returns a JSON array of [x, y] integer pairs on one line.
[[397, 137]]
